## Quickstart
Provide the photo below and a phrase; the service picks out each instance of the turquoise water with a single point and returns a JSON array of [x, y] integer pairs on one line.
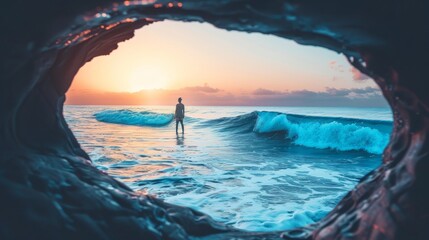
[[255, 168]]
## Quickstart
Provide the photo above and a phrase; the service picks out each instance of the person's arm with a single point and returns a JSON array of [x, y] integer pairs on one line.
[[183, 111]]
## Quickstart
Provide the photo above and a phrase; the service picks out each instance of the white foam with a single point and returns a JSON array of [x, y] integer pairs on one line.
[[333, 135], [248, 194]]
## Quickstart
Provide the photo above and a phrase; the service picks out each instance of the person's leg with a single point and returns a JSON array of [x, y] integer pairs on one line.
[[181, 123], [177, 123]]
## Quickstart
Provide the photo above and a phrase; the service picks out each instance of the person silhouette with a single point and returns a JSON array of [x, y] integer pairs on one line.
[[179, 115]]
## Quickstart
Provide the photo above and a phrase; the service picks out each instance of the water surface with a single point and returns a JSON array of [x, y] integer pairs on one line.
[[255, 168]]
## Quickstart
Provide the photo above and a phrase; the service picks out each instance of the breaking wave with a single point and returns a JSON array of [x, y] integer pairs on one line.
[[128, 117], [341, 134]]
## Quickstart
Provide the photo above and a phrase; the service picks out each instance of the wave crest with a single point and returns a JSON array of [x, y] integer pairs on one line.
[[333, 135], [129, 117]]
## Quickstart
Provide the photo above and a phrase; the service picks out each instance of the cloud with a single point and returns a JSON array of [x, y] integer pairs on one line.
[[332, 97], [195, 95], [207, 96], [206, 89], [356, 93], [340, 68], [358, 75], [263, 91]]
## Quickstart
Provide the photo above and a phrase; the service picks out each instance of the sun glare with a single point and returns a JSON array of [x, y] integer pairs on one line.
[[146, 78]]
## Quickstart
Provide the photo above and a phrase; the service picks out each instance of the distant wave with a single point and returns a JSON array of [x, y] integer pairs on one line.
[[129, 117], [340, 134]]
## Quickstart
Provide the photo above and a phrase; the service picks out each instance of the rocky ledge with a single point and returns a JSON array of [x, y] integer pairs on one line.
[[50, 189]]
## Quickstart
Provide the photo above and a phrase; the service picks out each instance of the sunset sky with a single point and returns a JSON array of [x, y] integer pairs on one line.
[[209, 66]]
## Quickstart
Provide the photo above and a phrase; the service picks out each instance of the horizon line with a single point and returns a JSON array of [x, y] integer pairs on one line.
[[163, 105]]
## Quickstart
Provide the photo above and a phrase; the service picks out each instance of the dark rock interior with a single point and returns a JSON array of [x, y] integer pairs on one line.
[[50, 190]]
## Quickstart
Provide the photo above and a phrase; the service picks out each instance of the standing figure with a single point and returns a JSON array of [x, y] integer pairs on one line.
[[180, 114]]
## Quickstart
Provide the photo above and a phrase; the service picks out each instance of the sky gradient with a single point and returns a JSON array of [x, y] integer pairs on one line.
[[210, 66]]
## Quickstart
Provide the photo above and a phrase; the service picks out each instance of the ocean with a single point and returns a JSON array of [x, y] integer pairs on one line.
[[254, 168]]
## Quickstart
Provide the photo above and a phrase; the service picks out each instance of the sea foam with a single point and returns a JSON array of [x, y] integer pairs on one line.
[[128, 117], [333, 135]]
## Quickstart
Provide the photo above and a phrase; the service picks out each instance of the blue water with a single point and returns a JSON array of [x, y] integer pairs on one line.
[[255, 168], [140, 118]]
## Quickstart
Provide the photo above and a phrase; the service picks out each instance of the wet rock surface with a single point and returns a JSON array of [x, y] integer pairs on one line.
[[50, 190]]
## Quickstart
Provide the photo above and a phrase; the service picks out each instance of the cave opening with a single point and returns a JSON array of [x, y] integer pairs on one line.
[[54, 191], [274, 138]]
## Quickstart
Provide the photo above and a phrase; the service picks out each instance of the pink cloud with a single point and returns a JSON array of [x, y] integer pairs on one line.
[[358, 75], [356, 97], [263, 91], [206, 88]]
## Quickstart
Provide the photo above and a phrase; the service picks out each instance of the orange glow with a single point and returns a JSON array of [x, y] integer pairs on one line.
[[179, 4], [170, 5], [128, 20], [110, 26], [138, 2], [158, 5], [79, 37], [166, 58]]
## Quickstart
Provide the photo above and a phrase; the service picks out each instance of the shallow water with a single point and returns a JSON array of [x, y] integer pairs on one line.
[[258, 171]]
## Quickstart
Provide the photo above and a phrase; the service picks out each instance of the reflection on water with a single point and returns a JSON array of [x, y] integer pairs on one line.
[[180, 139], [259, 182]]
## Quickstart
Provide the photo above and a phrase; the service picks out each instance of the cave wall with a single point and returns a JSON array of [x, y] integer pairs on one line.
[[48, 180]]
